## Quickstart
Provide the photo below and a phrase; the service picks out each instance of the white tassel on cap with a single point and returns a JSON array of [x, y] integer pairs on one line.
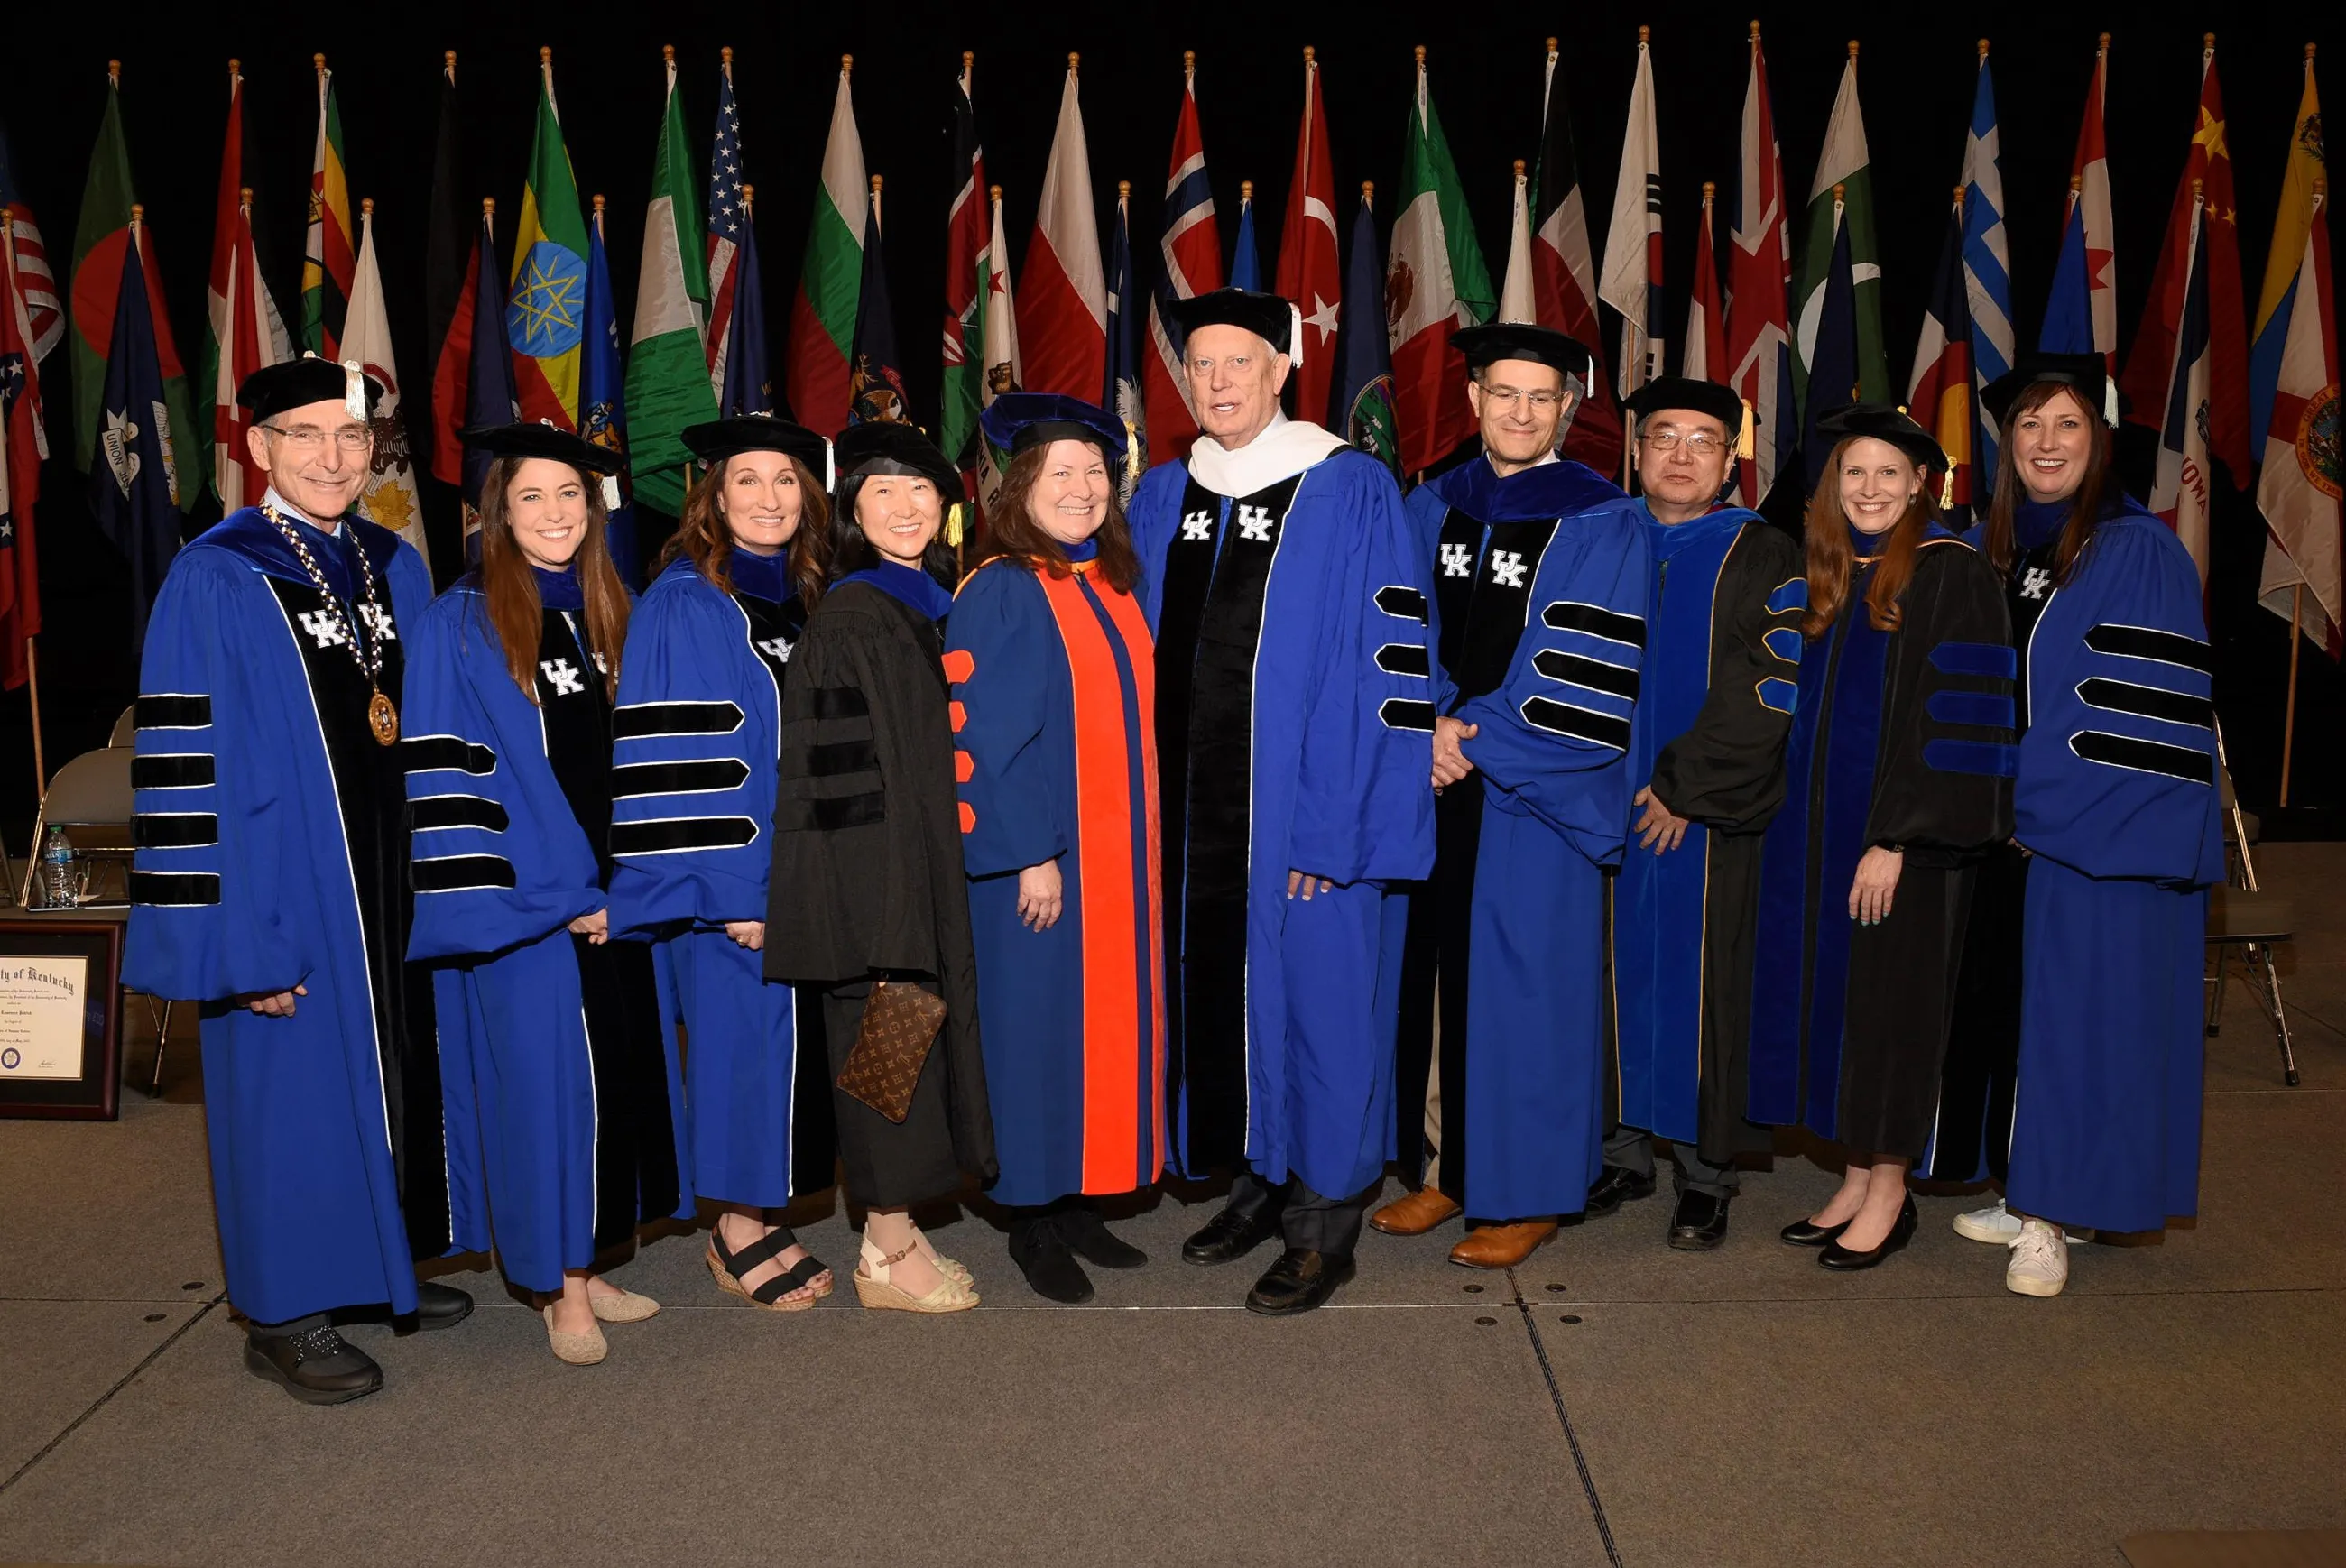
[[1294, 335], [355, 390], [2109, 402], [829, 468], [610, 492]]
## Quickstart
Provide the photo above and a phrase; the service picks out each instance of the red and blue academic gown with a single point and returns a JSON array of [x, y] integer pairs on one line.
[[1053, 689], [698, 732], [2116, 801], [271, 851], [1510, 1100], [1294, 731], [1725, 593], [576, 1113]]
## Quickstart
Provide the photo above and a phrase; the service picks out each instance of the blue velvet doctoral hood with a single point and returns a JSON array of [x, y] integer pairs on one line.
[[1550, 490]]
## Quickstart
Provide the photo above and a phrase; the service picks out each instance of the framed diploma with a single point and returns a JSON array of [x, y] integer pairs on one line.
[[60, 1018]]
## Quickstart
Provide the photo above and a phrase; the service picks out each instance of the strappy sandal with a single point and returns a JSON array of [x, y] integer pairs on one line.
[[730, 1266], [875, 1290]]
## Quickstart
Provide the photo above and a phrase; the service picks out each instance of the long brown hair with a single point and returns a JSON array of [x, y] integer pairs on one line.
[[1997, 539], [1830, 555], [516, 613], [1012, 531], [701, 533]]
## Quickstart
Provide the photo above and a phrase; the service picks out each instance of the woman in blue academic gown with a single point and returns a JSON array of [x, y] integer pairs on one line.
[[1052, 664], [699, 727], [1897, 766], [2115, 814], [557, 1031]]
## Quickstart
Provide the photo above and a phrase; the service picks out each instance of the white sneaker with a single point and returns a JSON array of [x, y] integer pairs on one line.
[[2040, 1260], [1994, 1223]]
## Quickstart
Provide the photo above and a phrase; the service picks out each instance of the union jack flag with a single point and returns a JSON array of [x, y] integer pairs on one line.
[[33, 278], [728, 214]]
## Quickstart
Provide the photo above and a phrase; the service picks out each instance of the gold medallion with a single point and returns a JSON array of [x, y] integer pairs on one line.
[[384, 719]]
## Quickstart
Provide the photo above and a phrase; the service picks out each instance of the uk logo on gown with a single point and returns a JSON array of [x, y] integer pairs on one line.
[[2034, 584], [1254, 523], [1457, 561], [326, 629], [1197, 526], [1507, 569], [564, 675]]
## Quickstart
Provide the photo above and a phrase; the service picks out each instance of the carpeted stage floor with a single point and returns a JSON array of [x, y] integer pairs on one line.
[[1611, 1400]]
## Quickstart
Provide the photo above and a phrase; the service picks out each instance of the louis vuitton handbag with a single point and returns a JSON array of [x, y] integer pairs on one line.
[[892, 1046]]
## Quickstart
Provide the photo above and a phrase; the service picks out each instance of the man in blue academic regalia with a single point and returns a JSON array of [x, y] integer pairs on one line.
[[1540, 599], [1294, 747], [271, 886]]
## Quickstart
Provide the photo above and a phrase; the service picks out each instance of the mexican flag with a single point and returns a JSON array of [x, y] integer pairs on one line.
[[1435, 282], [327, 261], [1845, 163], [546, 313], [830, 280], [667, 375]]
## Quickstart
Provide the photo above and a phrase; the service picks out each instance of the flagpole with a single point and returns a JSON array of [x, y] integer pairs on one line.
[[40, 768], [2289, 718]]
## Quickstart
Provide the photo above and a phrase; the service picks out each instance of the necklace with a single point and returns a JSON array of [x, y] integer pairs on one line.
[[382, 718]]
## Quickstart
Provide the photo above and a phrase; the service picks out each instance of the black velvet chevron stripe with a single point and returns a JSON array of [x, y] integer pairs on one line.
[[182, 770], [1404, 658], [1562, 718], [678, 778], [1402, 602], [174, 830], [461, 873], [2149, 701], [1594, 674], [828, 816], [168, 888], [174, 712], [1403, 713], [457, 811], [1566, 615], [834, 758], [2144, 756], [650, 720], [670, 834], [433, 753], [838, 702], [2142, 641]]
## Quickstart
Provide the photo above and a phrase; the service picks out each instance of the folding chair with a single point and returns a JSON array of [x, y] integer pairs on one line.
[[2241, 915]]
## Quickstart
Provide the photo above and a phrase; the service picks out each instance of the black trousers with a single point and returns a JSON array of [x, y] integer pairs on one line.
[[1331, 1226], [888, 1165]]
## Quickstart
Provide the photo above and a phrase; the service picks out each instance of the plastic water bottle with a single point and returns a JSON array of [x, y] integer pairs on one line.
[[57, 879]]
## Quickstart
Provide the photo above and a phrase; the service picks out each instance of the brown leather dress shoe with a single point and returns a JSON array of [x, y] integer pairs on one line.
[[1501, 1246], [1415, 1215]]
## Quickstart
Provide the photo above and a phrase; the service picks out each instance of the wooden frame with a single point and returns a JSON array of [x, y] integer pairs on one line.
[[94, 1094]]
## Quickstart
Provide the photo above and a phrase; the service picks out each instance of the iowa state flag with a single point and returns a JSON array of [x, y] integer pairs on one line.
[[546, 313]]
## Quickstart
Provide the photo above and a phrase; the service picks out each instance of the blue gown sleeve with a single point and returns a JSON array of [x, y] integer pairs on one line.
[[692, 781], [203, 926], [1155, 511], [1555, 737], [998, 644], [1424, 511], [498, 859], [2118, 769], [1364, 791]]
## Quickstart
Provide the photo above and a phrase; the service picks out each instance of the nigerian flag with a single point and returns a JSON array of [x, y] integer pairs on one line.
[[1846, 163], [668, 371], [545, 314]]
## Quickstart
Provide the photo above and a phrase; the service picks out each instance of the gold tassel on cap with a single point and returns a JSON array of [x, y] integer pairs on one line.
[[952, 523], [1747, 438], [1947, 490]]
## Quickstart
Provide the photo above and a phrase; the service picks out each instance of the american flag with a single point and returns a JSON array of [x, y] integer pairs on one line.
[[727, 215], [38, 284]]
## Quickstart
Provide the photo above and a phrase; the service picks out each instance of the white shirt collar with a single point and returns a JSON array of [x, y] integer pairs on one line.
[[1285, 448], [281, 504], [1536, 462]]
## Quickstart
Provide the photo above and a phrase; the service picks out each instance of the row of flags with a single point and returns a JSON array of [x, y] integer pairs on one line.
[[1795, 333]]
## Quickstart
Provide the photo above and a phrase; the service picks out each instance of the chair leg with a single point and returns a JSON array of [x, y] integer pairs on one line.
[[2216, 1001], [162, 1035], [2280, 1019]]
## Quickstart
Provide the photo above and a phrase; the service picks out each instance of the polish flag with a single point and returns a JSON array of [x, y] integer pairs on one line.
[[1063, 338]]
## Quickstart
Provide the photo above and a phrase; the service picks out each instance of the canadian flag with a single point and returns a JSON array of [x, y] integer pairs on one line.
[[1064, 337]]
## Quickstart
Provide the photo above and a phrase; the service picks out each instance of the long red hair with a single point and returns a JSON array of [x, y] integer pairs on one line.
[[701, 534], [1831, 557], [516, 613]]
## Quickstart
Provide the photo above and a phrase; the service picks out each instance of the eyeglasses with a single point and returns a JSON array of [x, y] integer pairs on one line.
[[1511, 397], [1699, 443], [308, 440]]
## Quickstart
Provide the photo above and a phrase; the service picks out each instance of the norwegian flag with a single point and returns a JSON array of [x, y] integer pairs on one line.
[[1564, 275], [37, 284], [728, 214], [1191, 251], [1759, 286], [1309, 272]]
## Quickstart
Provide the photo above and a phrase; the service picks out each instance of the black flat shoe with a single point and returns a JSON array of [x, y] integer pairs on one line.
[[317, 1366], [1808, 1233], [1297, 1282], [1842, 1260], [1088, 1234], [1041, 1253], [1614, 1186], [1230, 1235], [1700, 1223]]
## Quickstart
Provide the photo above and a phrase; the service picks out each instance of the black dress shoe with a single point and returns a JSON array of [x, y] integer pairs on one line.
[[1808, 1233], [1701, 1221], [1230, 1235], [316, 1366], [1084, 1229], [1297, 1282], [1042, 1256], [1843, 1260], [1614, 1186]]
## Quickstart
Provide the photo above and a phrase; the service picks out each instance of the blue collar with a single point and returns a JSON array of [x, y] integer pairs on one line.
[[1550, 490], [760, 576], [248, 534], [559, 590], [1086, 551], [1665, 540], [915, 590]]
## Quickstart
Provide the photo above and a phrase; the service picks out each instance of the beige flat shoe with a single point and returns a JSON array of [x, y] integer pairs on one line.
[[873, 1289], [579, 1350], [627, 1307]]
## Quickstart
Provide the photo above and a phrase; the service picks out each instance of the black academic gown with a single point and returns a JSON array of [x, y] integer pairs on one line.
[[867, 879]]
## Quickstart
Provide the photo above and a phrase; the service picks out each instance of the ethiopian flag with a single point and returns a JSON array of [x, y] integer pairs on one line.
[[546, 313]]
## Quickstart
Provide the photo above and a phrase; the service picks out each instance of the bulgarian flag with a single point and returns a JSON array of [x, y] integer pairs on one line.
[[1434, 283], [667, 377], [546, 312], [328, 262], [830, 280]]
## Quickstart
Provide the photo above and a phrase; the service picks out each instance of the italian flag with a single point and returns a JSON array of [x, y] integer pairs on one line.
[[667, 374], [545, 314], [1434, 283], [831, 280]]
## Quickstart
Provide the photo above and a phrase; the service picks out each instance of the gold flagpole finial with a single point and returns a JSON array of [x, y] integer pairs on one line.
[[1519, 168], [668, 53], [748, 196], [1840, 192], [1755, 29], [317, 62], [448, 61], [1309, 53], [1852, 48], [1369, 194], [968, 59], [993, 191], [846, 65], [1245, 191], [544, 56], [1123, 189], [366, 206], [1645, 37], [725, 57], [1073, 60], [1189, 59], [1421, 57], [114, 73], [1983, 48], [244, 197]]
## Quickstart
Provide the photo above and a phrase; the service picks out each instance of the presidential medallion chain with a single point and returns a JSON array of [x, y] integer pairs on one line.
[[382, 718]]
